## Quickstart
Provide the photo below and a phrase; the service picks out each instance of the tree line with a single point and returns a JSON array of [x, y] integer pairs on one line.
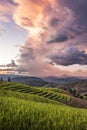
[[75, 93], [1, 79]]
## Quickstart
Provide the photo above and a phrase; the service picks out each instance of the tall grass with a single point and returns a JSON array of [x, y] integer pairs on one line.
[[17, 114], [29, 108]]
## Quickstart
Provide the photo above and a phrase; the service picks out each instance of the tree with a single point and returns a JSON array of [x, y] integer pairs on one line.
[[1, 79], [74, 92], [71, 90], [82, 97], [78, 95], [9, 80]]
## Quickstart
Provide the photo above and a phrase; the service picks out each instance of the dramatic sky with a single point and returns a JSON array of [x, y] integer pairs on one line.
[[43, 37]]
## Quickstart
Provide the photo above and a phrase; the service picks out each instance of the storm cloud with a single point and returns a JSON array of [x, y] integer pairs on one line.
[[59, 38], [51, 22], [54, 22], [57, 35], [70, 56], [80, 9], [12, 64]]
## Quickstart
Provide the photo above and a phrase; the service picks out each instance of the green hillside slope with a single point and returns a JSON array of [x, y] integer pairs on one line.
[[50, 93], [27, 97], [29, 108]]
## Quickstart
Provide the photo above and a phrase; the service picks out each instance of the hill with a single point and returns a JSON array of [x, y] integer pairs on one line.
[[5, 76], [67, 83], [24, 107], [80, 87], [32, 81], [64, 80], [50, 93]]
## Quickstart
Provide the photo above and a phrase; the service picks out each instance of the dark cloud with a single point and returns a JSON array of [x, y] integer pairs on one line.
[[75, 30], [68, 26], [80, 9], [69, 33], [8, 1], [59, 38], [12, 64], [70, 56], [9, 68], [54, 22], [51, 23], [27, 54]]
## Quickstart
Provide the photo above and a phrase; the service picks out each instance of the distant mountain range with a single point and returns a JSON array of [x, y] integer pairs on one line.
[[65, 83], [5, 76], [63, 80], [32, 81], [47, 81]]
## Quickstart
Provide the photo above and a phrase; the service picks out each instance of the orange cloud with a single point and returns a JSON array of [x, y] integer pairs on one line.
[[30, 13]]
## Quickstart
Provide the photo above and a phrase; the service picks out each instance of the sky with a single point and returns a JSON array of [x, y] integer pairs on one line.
[[43, 37]]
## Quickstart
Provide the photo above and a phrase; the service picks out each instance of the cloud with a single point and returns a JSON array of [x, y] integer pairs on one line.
[[51, 21], [59, 38], [54, 22], [10, 68], [12, 64], [80, 9], [70, 56], [7, 8], [2, 30]]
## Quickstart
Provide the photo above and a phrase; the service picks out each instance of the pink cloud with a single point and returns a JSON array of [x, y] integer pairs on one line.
[[39, 17], [6, 8], [43, 20]]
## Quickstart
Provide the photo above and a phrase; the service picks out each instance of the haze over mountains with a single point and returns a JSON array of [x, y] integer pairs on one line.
[[63, 79], [51, 79]]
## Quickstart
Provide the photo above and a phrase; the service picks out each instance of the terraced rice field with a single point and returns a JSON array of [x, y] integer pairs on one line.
[[30, 108], [54, 94]]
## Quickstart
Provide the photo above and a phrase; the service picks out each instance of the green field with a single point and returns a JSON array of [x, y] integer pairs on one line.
[[30, 108], [50, 93]]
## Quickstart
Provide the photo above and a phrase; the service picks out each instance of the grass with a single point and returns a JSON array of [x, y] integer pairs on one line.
[[45, 92], [19, 114], [27, 97], [29, 111]]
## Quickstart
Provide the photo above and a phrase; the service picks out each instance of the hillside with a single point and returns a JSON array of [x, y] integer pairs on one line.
[[24, 107], [32, 81], [37, 108], [50, 93], [80, 86], [64, 80]]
